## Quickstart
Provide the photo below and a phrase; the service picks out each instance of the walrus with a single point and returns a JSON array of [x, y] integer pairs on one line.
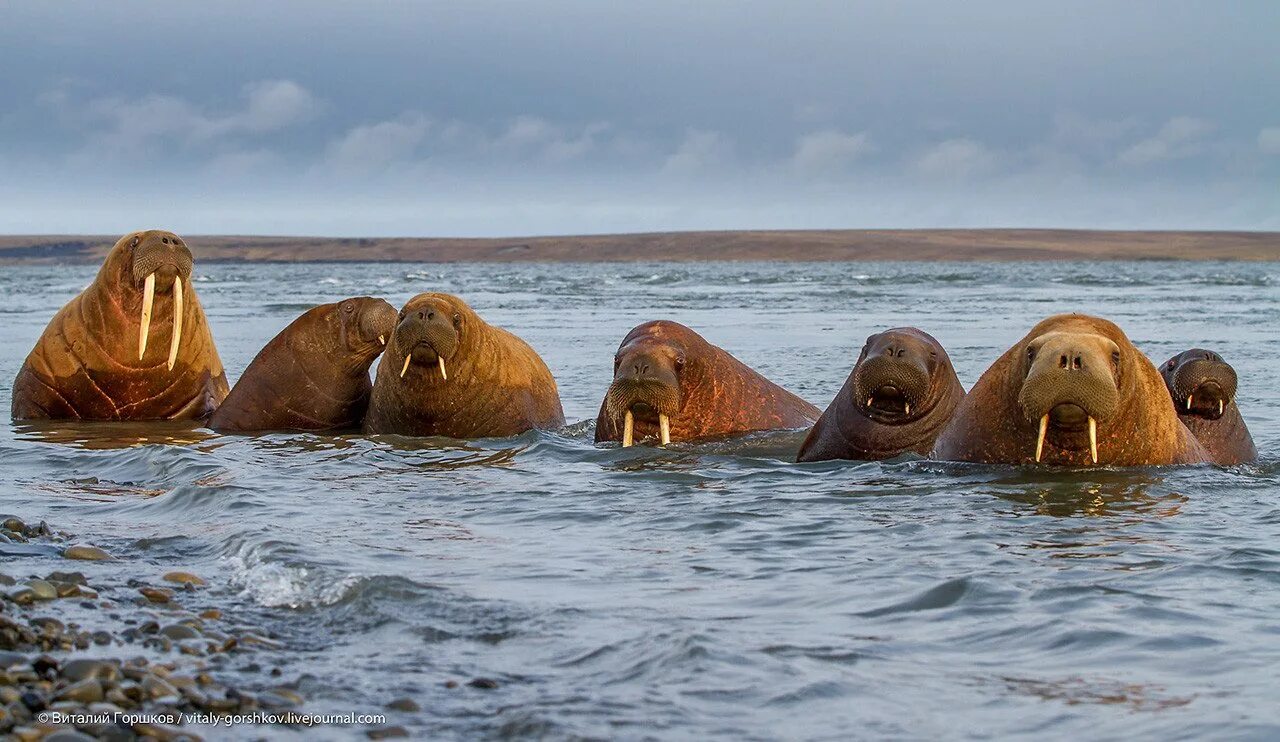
[[314, 375], [1073, 392], [134, 345], [898, 398], [671, 385], [1203, 388], [447, 372]]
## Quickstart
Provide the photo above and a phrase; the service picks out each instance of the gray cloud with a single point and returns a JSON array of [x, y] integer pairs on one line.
[[568, 116]]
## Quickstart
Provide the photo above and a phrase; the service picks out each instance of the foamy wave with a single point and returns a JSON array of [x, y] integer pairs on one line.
[[282, 586]]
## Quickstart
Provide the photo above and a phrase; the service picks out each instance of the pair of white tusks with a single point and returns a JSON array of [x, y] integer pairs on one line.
[[1221, 404], [1093, 438], [906, 406], [405, 368], [148, 299], [629, 429]]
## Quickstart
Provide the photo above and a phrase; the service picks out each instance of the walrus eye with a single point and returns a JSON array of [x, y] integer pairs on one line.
[[348, 308], [680, 364], [1031, 354], [135, 241], [1115, 358], [457, 320]]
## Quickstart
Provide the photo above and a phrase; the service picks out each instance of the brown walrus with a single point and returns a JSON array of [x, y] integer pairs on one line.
[[314, 375], [447, 372], [1203, 387], [898, 398], [134, 345], [1073, 392], [672, 385]]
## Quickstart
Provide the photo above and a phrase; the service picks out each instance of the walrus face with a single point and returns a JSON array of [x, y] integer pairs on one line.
[[367, 324], [1072, 382], [155, 262], [646, 385], [428, 333], [894, 377], [1200, 382]]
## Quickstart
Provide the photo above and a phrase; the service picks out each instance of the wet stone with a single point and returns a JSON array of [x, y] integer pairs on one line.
[[84, 669], [178, 632], [43, 589], [407, 705], [157, 594], [85, 691], [22, 595], [86, 552], [387, 733], [74, 578], [183, 578], [483, 683], [68, 735]]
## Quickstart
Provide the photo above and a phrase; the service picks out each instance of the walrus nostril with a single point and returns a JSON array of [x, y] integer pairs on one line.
[[1062, 361], [1077, 363], [431, 315]]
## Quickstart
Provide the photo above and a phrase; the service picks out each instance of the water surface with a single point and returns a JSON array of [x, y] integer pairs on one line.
[[715, 590]]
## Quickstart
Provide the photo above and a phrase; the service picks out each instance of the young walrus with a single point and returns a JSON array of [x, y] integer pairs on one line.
[[898, 398], [1073, 392], [314, 375], [447, 372], [1203, 387], [669, 384], [134, 345]]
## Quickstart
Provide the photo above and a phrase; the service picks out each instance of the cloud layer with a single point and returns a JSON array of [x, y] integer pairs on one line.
[[315, 118]]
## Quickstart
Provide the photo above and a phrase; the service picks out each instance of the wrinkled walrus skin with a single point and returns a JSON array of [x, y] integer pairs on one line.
[[86, 365], [664, 370], [898, 398], [314, 375], [1203, 388], [1071, 369], [446, 372]]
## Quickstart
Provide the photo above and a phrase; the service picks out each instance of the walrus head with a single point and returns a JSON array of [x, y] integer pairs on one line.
[[897, 374], [429, 331], [367, 324], [1072, 383], [648, 370], [151, 263], [1200, 382]]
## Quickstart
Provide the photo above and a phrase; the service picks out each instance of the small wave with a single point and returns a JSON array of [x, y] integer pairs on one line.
[[283, 586]]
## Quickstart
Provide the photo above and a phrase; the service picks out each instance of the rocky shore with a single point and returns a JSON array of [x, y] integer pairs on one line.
[[84, 658]]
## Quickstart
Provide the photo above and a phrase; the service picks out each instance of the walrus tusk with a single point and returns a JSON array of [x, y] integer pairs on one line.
[[1221, 406], [443, 373], [664, 424], [906, 408], [148, 297], [1189, 397], [405, 368], [628, 429], [1093, 439], [1044, 426], [382, 339], [870, 400], [176, 339]]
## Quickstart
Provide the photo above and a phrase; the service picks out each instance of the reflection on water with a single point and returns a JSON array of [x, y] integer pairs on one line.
[[709, 590]]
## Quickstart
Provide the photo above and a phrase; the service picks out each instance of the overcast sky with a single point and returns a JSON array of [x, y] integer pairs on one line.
[[552, 117]]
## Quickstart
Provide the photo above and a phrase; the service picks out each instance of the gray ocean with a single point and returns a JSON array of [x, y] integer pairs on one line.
[[717, 590]]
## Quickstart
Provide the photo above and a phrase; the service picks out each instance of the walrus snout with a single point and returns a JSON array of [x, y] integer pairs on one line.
[[645, 389], [427, 333], [1070, 386], [891, 387], [160, 263], [1200, 382], [376, 320]]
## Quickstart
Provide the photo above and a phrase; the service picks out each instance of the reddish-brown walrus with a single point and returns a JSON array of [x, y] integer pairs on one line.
[[314, 375], [672, 385], [898, 398], [1203, 387], [134, 345], [447, 372], [1073, 392]]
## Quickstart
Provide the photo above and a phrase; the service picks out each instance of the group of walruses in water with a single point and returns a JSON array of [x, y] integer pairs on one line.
[[1073, 392]]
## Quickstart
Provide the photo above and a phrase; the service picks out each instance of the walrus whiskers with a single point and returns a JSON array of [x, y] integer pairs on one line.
[[664, 425], [1093, 439], [443, 374], [148, 298], [405, 368], [628, 429], [1044, 427], [176, 338]]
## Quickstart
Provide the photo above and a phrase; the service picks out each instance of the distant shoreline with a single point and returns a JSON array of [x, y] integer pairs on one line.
[[853, 245]]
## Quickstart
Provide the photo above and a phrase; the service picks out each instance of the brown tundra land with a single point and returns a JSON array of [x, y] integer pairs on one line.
[[811, 245]]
